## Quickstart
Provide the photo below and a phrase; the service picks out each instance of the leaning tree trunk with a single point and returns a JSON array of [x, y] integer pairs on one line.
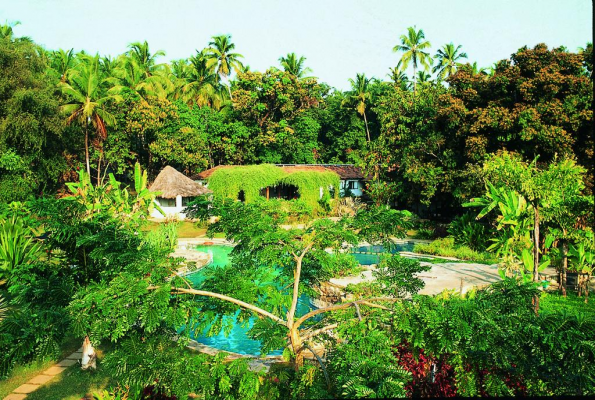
[[89, 359], [367, 130]]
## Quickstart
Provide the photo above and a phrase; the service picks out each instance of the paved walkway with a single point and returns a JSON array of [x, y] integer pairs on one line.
[[33, 384]]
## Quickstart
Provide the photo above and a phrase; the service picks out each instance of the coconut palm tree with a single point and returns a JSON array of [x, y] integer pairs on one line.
[[413, 46], [139, 52], [476, 70], [201, 83], [220, 56], [359, 97], [87, 102], [6, 31], [398, 77], [423, 77], [294, 65], [448, 60], [62, 62]]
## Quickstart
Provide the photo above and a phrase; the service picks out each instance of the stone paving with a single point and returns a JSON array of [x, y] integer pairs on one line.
[[46, 376]]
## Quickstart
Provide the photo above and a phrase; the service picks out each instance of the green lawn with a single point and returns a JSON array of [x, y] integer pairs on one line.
[[186, 229], [22, 373]]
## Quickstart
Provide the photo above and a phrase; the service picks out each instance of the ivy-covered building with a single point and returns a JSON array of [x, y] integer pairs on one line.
[[310, 182]]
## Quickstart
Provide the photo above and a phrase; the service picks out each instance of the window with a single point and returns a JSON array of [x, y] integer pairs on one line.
[[166, 202], [352, 185]]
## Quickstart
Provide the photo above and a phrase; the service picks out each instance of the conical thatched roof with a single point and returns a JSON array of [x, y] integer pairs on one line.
[[172, 183]]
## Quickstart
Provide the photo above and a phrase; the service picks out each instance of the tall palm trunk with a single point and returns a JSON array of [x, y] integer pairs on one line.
[[87, 148], [414, 79], [366, 122]]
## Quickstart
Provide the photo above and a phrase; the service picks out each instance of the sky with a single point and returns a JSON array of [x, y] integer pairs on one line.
[[339, 38]]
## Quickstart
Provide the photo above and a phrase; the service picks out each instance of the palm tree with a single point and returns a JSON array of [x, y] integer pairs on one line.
[[220, 56], [476, 70], [294, 65], [6, 31], [140, 53], [413, 46], [423, 77], [202, 86], [87, 102], [62, 62], [448, 60], [359, 96], [398, 77]]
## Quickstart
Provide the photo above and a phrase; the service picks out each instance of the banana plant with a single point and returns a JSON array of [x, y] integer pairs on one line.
[[582, 257]]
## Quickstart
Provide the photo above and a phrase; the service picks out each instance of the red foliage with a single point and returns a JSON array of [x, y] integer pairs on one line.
[[431, 377]]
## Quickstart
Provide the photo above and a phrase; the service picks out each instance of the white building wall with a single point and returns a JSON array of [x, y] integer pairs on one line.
[[170, 212]]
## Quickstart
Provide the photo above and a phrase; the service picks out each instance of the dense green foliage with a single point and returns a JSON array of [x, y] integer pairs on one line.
[[251, 179], [420, 139]]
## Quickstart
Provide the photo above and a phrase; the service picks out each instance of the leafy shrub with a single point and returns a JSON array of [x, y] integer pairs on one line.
[[163, 366], [342, 264], [467, 231], [347, 206]]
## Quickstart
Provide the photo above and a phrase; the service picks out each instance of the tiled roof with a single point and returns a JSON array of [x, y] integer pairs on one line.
[[345, 171]]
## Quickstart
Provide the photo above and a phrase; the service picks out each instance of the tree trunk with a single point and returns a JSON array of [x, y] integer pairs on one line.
[[99, 169], [536, 257], [367, 130], [536, 246], [296, 345], [89, 359], [564, 267], [87, 151], [414, 80]]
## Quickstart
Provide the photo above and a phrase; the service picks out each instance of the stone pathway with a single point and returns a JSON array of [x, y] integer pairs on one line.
[[33, 384]]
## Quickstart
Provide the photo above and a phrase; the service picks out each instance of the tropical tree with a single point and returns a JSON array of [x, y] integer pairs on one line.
[[87, 102], [477, 70], [294, 65], [423, 77], [448, 60], [62, 62], [398, 77], [139, 52], [360, 97], [201, 85], [413, 46], [6, 31], [220, 56]]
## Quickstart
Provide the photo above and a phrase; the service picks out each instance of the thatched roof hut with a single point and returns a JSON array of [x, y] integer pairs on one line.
[[172, 183]]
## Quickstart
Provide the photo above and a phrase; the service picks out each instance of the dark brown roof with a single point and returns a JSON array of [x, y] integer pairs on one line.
[[172, 183], [345, 171]]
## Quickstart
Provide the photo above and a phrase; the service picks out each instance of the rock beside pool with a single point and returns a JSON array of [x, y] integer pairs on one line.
[[193, 260]]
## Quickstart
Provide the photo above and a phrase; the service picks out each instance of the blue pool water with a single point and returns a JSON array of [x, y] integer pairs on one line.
[[367, 255], [237, 341]]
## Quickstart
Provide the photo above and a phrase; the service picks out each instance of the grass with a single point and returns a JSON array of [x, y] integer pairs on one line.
[[446, 248], [75, 384], [23, 373], [186, 229]]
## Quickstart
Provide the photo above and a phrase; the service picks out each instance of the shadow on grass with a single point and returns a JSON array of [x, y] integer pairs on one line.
[[76, 384]]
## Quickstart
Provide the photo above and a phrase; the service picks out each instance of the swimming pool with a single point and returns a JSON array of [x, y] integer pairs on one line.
[[367, 255], [237, 341]]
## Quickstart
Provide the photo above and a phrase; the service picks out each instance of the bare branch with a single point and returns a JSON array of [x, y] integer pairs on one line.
[[311, 334], [343, 306], [240, 303]]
